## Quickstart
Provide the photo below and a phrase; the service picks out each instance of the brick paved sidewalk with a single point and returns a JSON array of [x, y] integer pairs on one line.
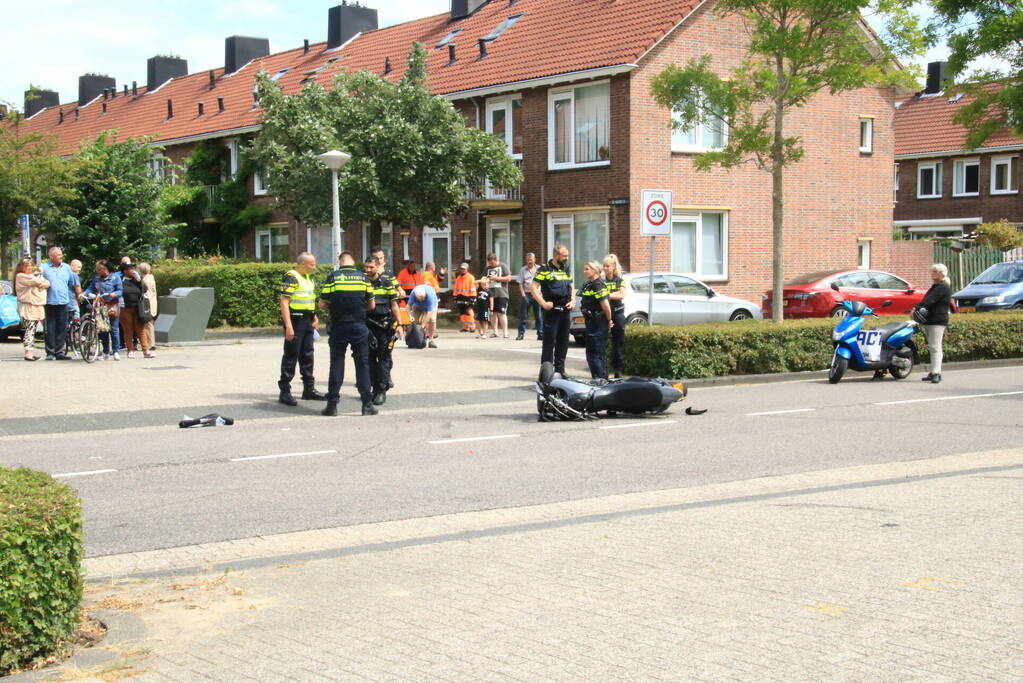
[[907, 571]]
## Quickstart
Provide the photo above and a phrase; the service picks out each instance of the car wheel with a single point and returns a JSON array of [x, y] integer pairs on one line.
[[1018, 306], [837, 369], [636, 319], [741, 314], [839, 312]]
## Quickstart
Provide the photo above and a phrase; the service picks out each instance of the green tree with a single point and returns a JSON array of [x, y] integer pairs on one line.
[[116, 206], [33, 179], [985, 28], [1000, 234], [796, 50], [411, 151]]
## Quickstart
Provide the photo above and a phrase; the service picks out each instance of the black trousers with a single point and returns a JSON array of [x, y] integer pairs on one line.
[[298, 350], [380, 361], [596, 344], [557, 323], [355, 335], [617, 334], [56, 328]]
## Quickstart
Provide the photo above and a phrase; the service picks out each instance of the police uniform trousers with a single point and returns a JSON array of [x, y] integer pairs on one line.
[[556, 327], [596, 344], [298, 350], [617, 334], [343, 335], [380, 361]]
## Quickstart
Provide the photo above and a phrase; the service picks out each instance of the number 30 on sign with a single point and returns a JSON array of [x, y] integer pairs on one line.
[[656, 217]]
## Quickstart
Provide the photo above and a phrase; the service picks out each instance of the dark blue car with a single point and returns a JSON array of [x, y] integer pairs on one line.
[[998, 288]]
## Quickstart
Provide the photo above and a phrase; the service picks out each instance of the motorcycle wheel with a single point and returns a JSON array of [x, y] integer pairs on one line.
[[902, 373], [838, 367]]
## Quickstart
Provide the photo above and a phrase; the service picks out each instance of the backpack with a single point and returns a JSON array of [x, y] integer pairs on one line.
[[415, 338]]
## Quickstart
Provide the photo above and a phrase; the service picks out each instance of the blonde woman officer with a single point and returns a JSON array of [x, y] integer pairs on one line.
[[616, 299]]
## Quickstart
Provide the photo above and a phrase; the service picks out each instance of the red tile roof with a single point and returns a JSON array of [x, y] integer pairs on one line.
[[924, 124], [554, 37]]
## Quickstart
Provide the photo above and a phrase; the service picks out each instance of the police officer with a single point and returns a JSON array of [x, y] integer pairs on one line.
[[380, 255], [597, 312], [298, 312], [381, 321], [553, 289], [616, 298], [348, 295]]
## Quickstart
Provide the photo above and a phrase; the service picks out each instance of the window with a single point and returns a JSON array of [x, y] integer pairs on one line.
[[699, 244], [405, 253], [232, 150], [504, 121], [467, 246], [966, 178], [1002, 181], [157, 166], [866, 134], [504, 238], [382, 237], [687, 286], [448, 38], [318, 242], [585, 235], [258, 186], [502, 27], [272, 245], [579, 126], [886, 281], [863, 253], [895, 186], [642, 285], [711, 133], [928, 180]]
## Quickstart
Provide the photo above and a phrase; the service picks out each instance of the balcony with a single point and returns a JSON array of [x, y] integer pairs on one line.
[[495, 197]]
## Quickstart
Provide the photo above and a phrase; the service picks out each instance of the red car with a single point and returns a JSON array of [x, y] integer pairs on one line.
[[811, 296]]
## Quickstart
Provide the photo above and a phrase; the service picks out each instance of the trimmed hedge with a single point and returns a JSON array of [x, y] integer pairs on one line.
[[246, 294], [40, 566], [760, 347]]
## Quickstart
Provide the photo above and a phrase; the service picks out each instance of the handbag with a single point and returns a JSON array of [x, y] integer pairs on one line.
[[415, 338], [145, 311], [9, 311], [920, 315]]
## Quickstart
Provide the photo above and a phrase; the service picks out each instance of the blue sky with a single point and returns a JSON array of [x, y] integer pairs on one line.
[[50, 43]]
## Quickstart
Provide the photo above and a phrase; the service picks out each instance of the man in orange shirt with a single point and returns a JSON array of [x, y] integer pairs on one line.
[[465, 295], [409, 277], [430, 276]]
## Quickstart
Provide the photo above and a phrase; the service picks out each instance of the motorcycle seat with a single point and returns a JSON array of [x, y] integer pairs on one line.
[[891, 328]]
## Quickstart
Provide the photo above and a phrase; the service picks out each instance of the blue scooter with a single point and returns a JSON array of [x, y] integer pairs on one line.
[[889, 348]]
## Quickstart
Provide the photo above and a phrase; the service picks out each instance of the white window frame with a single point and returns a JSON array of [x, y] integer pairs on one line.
[[507, 104], [1009, 161], [938, 177], [258, 186], [466, 245], [895, 185], [406, 253], [504, 223], [269, 231], [386, 241], [959, 171], [698, 130], [157, 166], [232, 148], [863, 253], [866, 135], [562, 219], [568, 93], [697, 217]]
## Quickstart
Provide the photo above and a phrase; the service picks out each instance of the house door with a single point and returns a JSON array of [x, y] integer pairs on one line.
[[437, 248]]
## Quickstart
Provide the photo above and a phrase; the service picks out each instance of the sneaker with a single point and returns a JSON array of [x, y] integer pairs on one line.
[[520, 337], [105, 356], [505, 335], [130, 354], [493, 336], [148, 354], [117, 356], [50, 356], [935, 379], [432, 344]]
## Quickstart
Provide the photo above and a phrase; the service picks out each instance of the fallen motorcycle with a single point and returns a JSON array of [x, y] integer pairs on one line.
[[564, 398]]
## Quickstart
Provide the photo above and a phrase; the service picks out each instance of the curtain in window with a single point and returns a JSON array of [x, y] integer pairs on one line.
[[592, 123], [590, 242], [683, 246], [497, 124], [562, 141], [713, 245], [507, 243], [319, 238]]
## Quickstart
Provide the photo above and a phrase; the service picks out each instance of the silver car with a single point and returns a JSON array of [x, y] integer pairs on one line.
[[678, 300]]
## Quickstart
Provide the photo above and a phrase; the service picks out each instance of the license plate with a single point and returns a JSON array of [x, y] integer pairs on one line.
[[581, 321], [967, 309]]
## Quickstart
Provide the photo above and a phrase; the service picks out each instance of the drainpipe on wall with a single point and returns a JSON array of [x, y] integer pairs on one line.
[[543, 223]]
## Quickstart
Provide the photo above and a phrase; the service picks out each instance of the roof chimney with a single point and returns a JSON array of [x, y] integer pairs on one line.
[[202, 109], [220, 104], [37, 100], [483, 47], [387, 65], [159, 70], [305, 46], [213, 80], [134, 89], [170, 109], [345, 21], [125, 89], [240, 50], [90, 86], [61, 116], [463, 8], [936, 77], [451, 54]]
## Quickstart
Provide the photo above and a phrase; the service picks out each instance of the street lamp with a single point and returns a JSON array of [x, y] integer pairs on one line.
[[335, 160]]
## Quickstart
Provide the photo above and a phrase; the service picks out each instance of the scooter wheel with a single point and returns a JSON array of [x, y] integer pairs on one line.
[[838, 367], [902, 373]]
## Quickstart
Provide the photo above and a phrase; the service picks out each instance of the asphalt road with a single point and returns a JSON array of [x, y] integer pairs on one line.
[[426, 454]]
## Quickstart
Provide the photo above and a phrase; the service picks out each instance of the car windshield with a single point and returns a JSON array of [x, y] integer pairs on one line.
[[812, 277], [1001, 274]]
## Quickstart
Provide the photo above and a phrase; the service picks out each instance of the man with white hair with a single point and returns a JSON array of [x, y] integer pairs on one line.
[[58, 297], [423, 310], [298, 313]]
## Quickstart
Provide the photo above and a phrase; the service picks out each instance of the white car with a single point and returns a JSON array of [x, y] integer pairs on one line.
[[678, 300]]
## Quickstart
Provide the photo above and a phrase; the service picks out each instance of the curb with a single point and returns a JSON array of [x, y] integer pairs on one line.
[[814, 375], [122, 627]]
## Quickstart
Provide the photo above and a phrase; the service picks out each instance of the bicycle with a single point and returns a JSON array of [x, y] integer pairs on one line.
[[83, 334]]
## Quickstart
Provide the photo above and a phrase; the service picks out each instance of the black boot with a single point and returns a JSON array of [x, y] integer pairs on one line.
[[927, 377], [935, 379], [379, 398], [368, 408], [330, 410], [310, 394], [286, 398]]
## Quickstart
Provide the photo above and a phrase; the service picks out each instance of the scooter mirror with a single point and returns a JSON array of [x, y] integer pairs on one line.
[[834, 286]]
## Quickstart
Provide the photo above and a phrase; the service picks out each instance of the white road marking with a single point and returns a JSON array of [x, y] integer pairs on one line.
[[782, 412], [650, 423], [282, 455], [949, 398], [84, 474], [476, 438]]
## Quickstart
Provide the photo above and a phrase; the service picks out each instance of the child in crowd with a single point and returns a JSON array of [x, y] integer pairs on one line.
[[484, 304]]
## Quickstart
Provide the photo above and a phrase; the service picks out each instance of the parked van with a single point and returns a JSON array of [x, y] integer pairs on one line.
[[998, 288]]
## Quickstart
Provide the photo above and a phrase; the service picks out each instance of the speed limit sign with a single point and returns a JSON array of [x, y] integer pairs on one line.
[[656, 218]]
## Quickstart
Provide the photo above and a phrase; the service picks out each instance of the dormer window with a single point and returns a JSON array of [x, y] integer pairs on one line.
[[504, 26], [448, 38]]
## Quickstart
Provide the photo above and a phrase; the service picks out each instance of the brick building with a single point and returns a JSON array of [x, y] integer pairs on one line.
[[942, 188], [567, 85]]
